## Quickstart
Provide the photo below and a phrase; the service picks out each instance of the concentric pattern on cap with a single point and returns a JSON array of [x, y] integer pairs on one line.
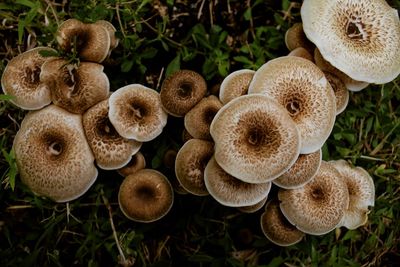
[[360, 38], [300, 87], [52, 155], [319, 206], [341, 93], [145, 196], [255, 138], [235, 84], [230, 191], [136, 112], [20, 79], [111, 150]]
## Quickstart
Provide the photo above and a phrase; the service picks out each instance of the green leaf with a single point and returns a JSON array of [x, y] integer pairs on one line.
[[6, 97], [126, 65], [26, 3], [173, 66], [12, 167], [48, 53]]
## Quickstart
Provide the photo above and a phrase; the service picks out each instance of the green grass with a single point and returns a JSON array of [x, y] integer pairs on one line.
[[214, 39]]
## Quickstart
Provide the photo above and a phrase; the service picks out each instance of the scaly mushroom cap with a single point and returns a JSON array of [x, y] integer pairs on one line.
[[197, 121], [235, 84], [136, 163], [181, 91], [92, 40], [300, 87], [75, 88], [362, 193], [111, 32], [255, 138], [190, 163], [301, 172], [295, 37], [136, 112], [319, 206], [111, 150], [360, 38], [230, 191], [302, 52], [341, 92], [53, 157], [145, 196], [276, 227], [20, 79], [253, 208]]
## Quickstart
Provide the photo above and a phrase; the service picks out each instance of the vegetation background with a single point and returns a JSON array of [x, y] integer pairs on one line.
[[213, 37]]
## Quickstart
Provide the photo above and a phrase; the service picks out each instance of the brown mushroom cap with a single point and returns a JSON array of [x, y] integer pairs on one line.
[[145, 196], [181, 91], [136, 163], [341, 92], [92, 40], [276, 227], [190, 163], [302, 88], [230, 191], [111, 32], [235, 84], [197, 121], [75, 88], [295, 37], [319, 206], [255, 138], [253, 208], [53, 156], [20, 79], [301, 172], [302, 52], [111, 150], [136, 112]]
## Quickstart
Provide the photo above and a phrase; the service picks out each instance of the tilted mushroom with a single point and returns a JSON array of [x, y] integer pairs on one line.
[[295, 37], [341, 93], [111, 32], [253, 208], [235, 84], [301, 52], [136, 163], [53, 157]]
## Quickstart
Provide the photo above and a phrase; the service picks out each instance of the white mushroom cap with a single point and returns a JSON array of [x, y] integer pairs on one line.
[[301, 172], [255, 138], [235, 84], [230, 191], [53, 156], [360, 38], [319, 206], [253, 208], [300, 87], [276, 227], [136, 112], [341, 93], [145, 196], [111, 150], [20, 79]]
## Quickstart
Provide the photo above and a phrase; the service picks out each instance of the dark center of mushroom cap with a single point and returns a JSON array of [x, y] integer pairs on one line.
[[138, 109], [317, 193], [209, 114], [104, 128], [355, 29], [145, 193], [54, 145], [184, 90], [293, 106], [78, 38], [32, 75]]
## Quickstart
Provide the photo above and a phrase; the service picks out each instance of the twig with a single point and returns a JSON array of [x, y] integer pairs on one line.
[[200, 12]]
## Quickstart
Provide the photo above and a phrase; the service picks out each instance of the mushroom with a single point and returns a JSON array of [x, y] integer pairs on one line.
[[92, 41], [362, 193], [230, 191], [136, 112], [181, 91], [319, 206], [341, 92], [75, 88], [295, 37], [301, 52], [53, 157], [276, 227], [136, 163], [362, 38], [253, 208], [301, 87], [235, 84], [190, 163], [255, 139], [197, 121], [169, 158], [110, 150], [145, 196], [301, 172], [111, 32], [20, 80]]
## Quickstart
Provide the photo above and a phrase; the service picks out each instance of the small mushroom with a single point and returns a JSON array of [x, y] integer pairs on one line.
[[235, 84], [253, 208], [111, 32], [341, 92], [136, 163], [295, 37], [302, 52]]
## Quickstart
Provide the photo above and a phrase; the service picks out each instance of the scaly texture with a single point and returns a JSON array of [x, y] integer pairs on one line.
[[235, 84]]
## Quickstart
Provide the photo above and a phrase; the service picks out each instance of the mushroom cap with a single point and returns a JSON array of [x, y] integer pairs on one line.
[[181, 91], [319, 206], [110, 150], [169, 158], [53, 156], [136, 163], [255, 138], [230, 191], [276, 227], [92, 40], [341, 93], [295, 37], [302, 52], [145, 196], [111, 32], [361, 190], [75, 88], [360, 38], [190, 163], [20, 79], [197, 121], [136, 112], [235, 84], [301, 172], [301, 87], [253, 208]]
